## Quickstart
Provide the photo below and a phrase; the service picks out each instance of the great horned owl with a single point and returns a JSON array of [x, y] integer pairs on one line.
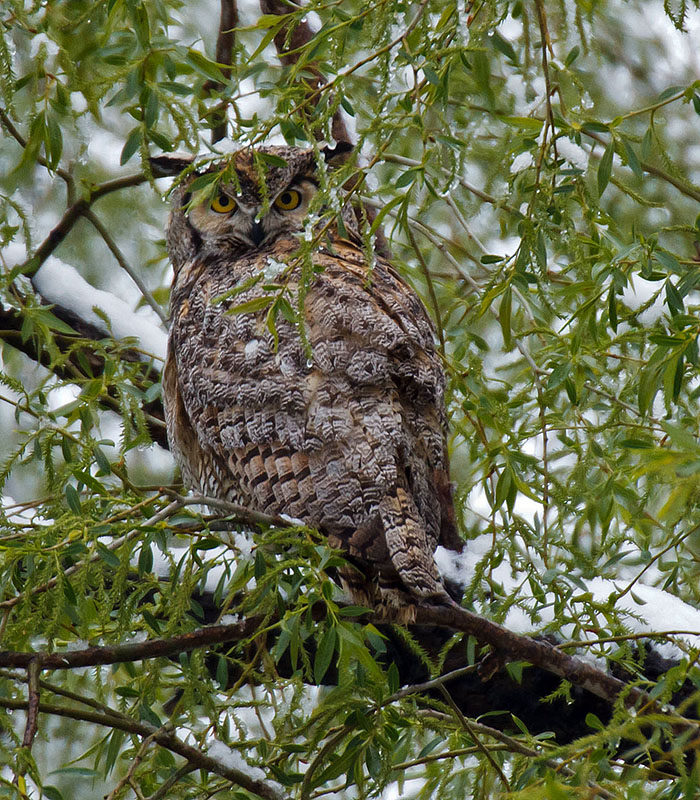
[[341, 424]]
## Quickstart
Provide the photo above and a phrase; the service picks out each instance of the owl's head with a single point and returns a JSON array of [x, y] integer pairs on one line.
[[244, 202]]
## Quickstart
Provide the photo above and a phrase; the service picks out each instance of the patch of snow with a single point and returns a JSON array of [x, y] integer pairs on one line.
[[60, 283], [573, 153], [39, 40], [638, 292], [645, 609], [521, 161], [244, 543], [232, 759]]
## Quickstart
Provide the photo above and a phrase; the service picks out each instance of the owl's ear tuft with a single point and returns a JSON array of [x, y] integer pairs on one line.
[[169, 164], [335, 156]]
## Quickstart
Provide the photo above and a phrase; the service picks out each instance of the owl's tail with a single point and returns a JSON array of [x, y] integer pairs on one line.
[[408, 547]]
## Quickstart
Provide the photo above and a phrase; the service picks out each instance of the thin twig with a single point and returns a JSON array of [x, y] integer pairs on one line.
[[416, 688], [431, 288], [167, 785], [137, 759], [470, 730], [32, 726], [89, 214]]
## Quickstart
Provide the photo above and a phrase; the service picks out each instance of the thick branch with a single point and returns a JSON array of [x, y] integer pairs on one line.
[[524, 648], [509, 645], [32, 726], [136, 651], [72, 215], [289, 42], [11, 324]]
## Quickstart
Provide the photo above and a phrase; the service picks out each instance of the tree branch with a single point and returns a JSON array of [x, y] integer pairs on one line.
[[225, 43], [71, 215], [135, 651], [11, 326], [124, 264], [33, 671], [164, 738]]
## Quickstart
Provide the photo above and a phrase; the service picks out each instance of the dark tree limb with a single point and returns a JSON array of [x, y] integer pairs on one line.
[[32, 726], [135, 651], [225, 43], [508, 646], [289, 41], [11, 324]]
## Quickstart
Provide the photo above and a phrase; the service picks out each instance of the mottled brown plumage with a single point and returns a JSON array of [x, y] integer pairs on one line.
[[349, 438]]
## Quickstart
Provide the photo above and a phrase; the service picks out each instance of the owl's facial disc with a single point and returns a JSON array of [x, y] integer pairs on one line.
[[240, 219]]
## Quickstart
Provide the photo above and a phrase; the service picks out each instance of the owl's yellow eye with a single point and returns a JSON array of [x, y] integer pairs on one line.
[[289, 200], [223, 204]]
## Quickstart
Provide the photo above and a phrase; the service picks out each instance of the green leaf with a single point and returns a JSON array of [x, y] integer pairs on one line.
[[45, 317], [110, 559], [139, 16], [353, 611], [669, 93], [637, 444], [529, 124], [649, 385], [271, 159], [324, 653], [667, 260], [504, 318], [102, 461], [393, 680], [408, 177], [673, 298], [594, 722], [147, 714], [51, 793], [572, 55], [502, 45], [145, 562], [612, 308], [150, 107], [269, 20], [605, 167], [73, 499], [132, 144], [267, 38], [251, 306], [632, 160], [203, 65], [116, 739], [383, 212], [260, 565], [53, 142], [222, 672]]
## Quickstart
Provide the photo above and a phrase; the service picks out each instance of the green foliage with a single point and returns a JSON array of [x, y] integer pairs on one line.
[[538, 187]]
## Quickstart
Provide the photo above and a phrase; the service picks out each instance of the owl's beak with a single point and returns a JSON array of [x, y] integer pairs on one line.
[[257, 232]]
